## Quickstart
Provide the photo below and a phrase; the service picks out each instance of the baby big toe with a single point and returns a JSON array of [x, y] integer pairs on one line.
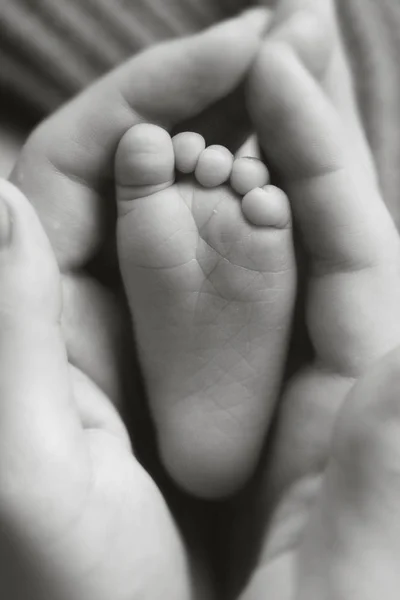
[[144, 162]]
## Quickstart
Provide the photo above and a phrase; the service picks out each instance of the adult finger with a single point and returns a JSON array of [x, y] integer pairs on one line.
[[353, 538], [38, 420], [65, 165]]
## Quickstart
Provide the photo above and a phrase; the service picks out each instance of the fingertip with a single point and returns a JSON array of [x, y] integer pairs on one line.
[[309, 30], [256, 19], [29, 274], [11, 194], [19, 224], [249, 26], [222, 54]]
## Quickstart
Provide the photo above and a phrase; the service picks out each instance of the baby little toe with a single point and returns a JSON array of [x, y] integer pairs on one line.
[[267, 207], [248, 173]]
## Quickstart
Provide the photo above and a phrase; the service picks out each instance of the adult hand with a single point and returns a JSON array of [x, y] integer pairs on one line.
[[68, 161], [79, 516], [324, 519], [324, 504], [66, 170], [66, 167]]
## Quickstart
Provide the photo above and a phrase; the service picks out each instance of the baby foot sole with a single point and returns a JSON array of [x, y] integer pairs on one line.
[[210, 280]]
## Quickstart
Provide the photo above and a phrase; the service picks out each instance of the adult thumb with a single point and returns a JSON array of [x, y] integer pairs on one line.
[[352, 543]]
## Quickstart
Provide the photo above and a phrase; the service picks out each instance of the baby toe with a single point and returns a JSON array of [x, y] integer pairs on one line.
[[144, 162], [267, 207], [188, 147], [248, 173], [214, 166]]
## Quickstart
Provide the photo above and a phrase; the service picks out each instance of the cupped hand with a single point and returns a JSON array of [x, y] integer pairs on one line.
[[321, 521], [66, 171], [80, 518]]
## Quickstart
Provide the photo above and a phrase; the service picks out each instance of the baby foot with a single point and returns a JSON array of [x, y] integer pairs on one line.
[[210, 281]]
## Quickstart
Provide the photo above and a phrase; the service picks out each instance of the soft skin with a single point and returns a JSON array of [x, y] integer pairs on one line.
[[209, 271], [66, 166], [313, 141], [70, 487], [289, 466]]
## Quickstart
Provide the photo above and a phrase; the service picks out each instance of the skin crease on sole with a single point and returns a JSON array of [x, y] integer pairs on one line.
[[210, 278]]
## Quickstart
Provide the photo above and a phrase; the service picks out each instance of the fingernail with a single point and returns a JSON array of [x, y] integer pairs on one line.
[[5, 217], [253, 158]]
